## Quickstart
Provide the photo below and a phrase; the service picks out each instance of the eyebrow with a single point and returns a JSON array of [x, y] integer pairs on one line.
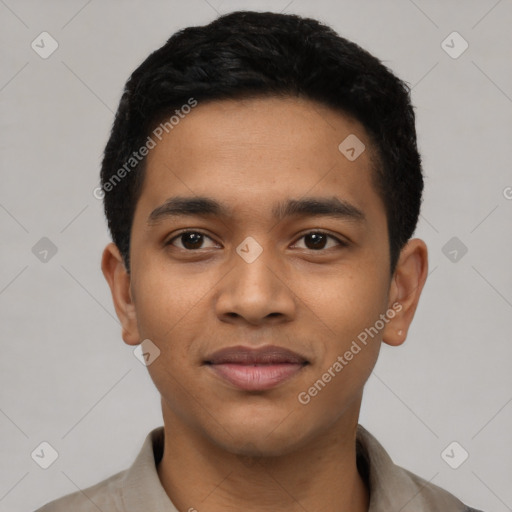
[[306, 207]]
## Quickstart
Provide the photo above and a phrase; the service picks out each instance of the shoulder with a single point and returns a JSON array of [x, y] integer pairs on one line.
[[135, 488], [394, 487], [105, 495], [432, 496]]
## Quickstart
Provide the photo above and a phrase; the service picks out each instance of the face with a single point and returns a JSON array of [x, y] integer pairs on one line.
[[251, 272]]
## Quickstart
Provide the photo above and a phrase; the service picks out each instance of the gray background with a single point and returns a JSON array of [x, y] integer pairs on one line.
[[67, 378]]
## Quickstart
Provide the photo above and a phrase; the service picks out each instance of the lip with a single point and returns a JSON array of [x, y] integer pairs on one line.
[[256, 369], [269, 354]]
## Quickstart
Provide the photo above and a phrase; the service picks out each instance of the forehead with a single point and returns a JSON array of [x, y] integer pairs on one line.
[[253, 153]]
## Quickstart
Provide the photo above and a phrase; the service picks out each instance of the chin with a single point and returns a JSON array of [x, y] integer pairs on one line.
[[270, 438]]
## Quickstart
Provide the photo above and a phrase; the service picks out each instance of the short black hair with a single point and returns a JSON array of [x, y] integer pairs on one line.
[[247, 54]]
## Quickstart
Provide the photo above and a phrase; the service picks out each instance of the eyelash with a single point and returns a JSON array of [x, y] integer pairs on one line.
[[341, 243]]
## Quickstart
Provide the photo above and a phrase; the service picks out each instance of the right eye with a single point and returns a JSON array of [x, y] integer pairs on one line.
[[190, 240]]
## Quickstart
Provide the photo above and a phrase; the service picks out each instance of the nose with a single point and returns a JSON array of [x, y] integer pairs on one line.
[[256, 292]]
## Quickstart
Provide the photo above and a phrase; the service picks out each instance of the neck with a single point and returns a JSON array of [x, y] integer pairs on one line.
[[198, 474]]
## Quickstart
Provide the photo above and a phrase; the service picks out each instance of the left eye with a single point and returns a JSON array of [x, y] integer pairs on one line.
[[192, 240], [318, 240]]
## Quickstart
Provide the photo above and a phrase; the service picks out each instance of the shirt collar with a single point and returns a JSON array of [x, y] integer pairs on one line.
[[141, 486], [395, 488], [391, 487]]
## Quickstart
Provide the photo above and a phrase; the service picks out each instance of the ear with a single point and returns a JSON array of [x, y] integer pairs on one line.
[[118, 279], [405, 289]]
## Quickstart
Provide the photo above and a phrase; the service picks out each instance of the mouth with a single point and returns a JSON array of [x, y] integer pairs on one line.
[[255, 369]]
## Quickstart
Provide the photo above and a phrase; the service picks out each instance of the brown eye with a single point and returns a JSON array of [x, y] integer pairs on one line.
[[316, 240], [190, 240]]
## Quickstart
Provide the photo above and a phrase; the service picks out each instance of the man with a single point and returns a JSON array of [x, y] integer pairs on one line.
[[261, 184]]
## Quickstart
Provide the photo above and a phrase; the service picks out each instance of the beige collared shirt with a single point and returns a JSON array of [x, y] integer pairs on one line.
[[138, 488]]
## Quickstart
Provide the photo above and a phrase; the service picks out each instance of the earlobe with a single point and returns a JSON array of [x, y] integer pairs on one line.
[[394, 333], [119, 281], [406, 287], [394, 338]]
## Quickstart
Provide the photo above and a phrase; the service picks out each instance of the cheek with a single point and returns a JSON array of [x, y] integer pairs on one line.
[[168, 300], [167, 313], [345, 303], [345, 315], [336, 388]]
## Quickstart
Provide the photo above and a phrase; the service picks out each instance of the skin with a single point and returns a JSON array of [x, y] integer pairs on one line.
[[225, 448]]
